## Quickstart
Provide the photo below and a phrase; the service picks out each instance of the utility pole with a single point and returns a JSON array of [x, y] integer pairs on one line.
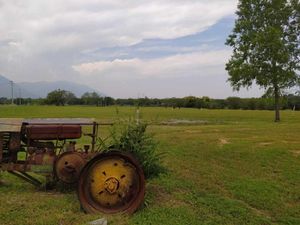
[[12, 91], [20, 95]]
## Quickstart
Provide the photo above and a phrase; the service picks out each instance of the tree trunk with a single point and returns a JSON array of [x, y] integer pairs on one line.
[[277, 95]]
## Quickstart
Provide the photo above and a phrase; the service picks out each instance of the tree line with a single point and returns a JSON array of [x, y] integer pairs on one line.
[[62, 97]]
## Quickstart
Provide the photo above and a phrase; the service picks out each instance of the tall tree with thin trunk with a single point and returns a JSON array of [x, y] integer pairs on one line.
[[266, 46]]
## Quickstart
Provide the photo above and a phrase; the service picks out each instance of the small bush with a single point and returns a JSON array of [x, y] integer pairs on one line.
[[132, 137]]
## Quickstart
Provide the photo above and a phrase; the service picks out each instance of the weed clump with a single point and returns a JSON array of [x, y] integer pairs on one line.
[[132, 137]]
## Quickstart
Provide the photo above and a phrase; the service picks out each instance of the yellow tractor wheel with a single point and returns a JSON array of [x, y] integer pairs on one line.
[[111, 182]]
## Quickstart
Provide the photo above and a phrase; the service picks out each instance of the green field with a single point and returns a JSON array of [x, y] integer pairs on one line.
[[224, 167]]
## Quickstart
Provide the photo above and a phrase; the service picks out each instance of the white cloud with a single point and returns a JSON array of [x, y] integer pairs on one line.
[[177, 75], [199, 74], [54, 25], [199, 63]]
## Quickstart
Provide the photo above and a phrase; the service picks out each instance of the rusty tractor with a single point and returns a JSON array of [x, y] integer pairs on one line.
[[110, 182]]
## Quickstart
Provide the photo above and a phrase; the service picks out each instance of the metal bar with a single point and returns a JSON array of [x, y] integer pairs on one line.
[[1, 146], [57, 123], [62, 123], [94, 136], [31, 178], [10, 124], [25, 178]]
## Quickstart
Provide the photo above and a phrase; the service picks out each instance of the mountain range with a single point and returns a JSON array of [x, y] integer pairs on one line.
[[40, 89]]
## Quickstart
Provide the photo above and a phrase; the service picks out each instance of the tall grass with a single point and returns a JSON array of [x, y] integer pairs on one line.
[[132, 137]]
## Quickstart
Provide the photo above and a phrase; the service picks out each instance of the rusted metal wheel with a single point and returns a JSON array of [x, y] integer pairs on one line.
[[68, 166], [111, 182]]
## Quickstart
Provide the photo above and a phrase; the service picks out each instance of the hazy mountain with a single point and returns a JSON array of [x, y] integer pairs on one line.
[[5, 89], [41, 89]]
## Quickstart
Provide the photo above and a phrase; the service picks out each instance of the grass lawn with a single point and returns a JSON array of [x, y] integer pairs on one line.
[[224, 167]]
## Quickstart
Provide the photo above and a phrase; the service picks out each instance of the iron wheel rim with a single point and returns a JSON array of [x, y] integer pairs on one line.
[[102, 189]]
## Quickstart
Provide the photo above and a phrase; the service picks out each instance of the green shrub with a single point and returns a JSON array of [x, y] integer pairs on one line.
[[132, 137]]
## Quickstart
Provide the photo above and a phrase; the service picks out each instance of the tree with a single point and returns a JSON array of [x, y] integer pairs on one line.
[[108, 101], [265, 42], [234, 102], [189, 102], [60, 97], [91, 98], [70, 98]]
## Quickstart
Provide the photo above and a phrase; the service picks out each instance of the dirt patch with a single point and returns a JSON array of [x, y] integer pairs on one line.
[[223, 141], [158, 193], [265, 143], [192, 131], [162, 197], [296, 153], [184, 122]]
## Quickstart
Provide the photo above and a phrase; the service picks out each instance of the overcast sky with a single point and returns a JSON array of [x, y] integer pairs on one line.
[[124, 48]]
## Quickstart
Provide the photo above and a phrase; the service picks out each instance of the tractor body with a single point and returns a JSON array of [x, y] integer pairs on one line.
[[110, 182]]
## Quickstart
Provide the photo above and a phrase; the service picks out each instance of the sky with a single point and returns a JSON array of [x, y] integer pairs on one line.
[[123, 48]]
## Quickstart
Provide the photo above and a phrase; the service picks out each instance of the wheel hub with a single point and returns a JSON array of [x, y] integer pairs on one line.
[[68, 166], [111, 185]]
